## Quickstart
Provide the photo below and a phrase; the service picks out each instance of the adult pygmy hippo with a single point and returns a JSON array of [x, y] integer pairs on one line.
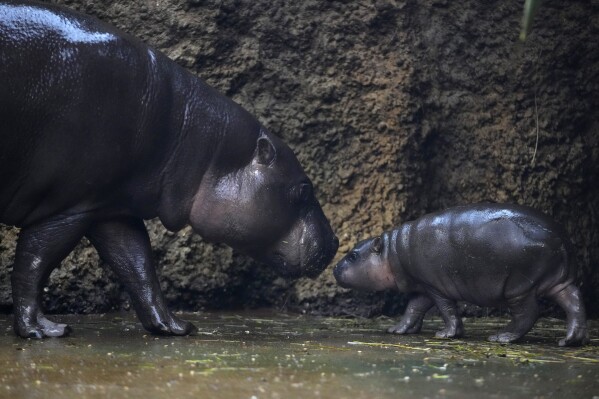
[[486, 254], [99, 131]]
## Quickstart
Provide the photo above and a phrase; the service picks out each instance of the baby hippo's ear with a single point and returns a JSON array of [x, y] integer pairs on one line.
[[377, 245]]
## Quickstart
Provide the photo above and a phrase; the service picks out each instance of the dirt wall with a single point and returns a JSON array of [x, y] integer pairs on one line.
[[395, 109]]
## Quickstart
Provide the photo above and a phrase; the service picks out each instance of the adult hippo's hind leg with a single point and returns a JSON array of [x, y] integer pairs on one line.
[[570, 300], [124, 244], [525, 311], [40, 248], [411, 321]]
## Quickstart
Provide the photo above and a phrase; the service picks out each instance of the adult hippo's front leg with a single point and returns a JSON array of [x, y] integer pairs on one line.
[[124, 244], [40, 248]]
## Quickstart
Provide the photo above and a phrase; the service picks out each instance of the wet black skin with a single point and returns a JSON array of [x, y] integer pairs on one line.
[[99, 132], [486, 254]]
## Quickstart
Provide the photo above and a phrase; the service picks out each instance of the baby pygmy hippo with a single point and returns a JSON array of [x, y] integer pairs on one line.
[[487, 254]]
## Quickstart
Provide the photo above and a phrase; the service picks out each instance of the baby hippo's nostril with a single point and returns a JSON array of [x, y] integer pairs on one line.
[[337, 272]]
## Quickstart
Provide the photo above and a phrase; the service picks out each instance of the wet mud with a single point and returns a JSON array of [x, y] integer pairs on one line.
[[262, 354]]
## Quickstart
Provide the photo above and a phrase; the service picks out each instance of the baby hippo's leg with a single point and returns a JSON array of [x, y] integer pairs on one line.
[[449, 311], [570, 300], [525, 310], [411, 321]]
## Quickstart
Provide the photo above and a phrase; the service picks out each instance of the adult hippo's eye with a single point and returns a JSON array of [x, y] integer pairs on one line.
[[352, 256], [305, 192], [301, 193]]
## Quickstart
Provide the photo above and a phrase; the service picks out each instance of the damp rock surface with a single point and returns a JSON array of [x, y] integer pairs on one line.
[[395, 108], [264, 354]]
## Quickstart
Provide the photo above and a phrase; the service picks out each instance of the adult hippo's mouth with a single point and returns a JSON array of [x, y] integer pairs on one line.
[[313, 263], [309, 256]]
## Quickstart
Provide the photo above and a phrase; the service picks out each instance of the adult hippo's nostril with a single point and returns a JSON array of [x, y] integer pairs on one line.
[[319, 255], [332, 248], [335, 245]]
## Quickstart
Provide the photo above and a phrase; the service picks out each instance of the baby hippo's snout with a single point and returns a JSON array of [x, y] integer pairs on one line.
[[340, 272], [365, 267]]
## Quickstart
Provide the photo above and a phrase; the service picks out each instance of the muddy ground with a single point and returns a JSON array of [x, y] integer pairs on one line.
[[272, 355], [395, 108]]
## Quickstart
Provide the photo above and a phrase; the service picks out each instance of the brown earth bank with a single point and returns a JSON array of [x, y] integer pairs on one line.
[[395, 109]]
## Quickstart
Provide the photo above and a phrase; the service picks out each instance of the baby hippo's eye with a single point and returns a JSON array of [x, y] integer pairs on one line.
[[352, 256], [301, 193]]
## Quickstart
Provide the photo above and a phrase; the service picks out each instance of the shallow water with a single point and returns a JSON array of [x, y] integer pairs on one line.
[[273, 355]]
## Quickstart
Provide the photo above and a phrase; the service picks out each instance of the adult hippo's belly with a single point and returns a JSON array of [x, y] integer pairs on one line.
[[99, 131]]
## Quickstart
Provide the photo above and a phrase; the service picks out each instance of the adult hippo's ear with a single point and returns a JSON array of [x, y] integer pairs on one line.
[[265, 151], [377, 245]]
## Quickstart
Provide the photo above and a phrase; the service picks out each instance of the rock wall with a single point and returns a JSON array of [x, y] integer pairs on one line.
[[395, 108]]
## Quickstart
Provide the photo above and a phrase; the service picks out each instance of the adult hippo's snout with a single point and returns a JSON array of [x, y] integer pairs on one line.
[[306, 250], [266, 208]]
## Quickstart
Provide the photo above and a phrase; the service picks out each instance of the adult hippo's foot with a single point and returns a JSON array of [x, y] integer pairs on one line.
[[40, 248], [164, 322], [39, 327]]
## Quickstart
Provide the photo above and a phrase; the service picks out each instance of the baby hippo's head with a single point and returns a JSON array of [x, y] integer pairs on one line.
[[366, 267]]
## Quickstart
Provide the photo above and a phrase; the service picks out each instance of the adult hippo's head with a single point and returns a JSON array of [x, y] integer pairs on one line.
[[265, 207]]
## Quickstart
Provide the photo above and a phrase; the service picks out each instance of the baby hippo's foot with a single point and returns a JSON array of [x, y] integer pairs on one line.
[[452, 331], [167, 324], [505, 337], [577, 337], [405, 328], [40, 327]]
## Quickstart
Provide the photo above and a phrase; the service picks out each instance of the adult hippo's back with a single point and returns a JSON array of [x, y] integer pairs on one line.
[[99, 131]]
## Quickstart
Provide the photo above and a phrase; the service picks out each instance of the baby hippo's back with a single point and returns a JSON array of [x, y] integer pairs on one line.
[[486, 253]]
